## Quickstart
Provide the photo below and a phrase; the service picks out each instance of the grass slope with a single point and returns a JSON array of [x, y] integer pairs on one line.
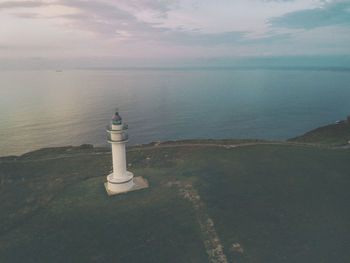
[[281, 203], [334, 135]]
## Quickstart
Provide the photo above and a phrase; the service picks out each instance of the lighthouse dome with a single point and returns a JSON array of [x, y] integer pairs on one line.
[[117, 120]]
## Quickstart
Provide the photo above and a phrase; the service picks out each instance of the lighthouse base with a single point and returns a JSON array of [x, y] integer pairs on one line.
[[137, 183]]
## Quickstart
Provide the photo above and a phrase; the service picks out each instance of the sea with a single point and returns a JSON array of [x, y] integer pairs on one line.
[[46, 108]]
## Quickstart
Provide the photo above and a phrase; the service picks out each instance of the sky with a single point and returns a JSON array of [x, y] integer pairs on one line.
[[128, 32]]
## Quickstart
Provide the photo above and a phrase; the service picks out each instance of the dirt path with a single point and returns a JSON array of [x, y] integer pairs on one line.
[[210, 238]]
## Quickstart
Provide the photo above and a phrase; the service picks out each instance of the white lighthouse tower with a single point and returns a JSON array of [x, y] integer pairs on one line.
[[120, 180]]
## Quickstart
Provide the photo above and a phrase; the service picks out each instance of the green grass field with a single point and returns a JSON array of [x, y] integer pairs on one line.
[[280, 203]]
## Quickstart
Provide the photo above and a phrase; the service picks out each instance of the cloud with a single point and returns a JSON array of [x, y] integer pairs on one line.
[[111, 21], [280, 0], [159, 7], [151, 28], [26, 15], [122, 20], [330, 14], [186, 38], [20, 4], [100, 17]]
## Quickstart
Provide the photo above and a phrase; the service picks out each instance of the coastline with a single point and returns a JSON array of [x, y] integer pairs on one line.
[[332, 135]]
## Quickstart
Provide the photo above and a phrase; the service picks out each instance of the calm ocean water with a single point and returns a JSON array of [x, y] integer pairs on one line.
[[47, 108]]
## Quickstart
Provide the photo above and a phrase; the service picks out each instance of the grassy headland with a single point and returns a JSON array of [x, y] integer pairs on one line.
[[269, 203], [334, 134]]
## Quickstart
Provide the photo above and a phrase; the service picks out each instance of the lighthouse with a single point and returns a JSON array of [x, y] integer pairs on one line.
[[120, 180]]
